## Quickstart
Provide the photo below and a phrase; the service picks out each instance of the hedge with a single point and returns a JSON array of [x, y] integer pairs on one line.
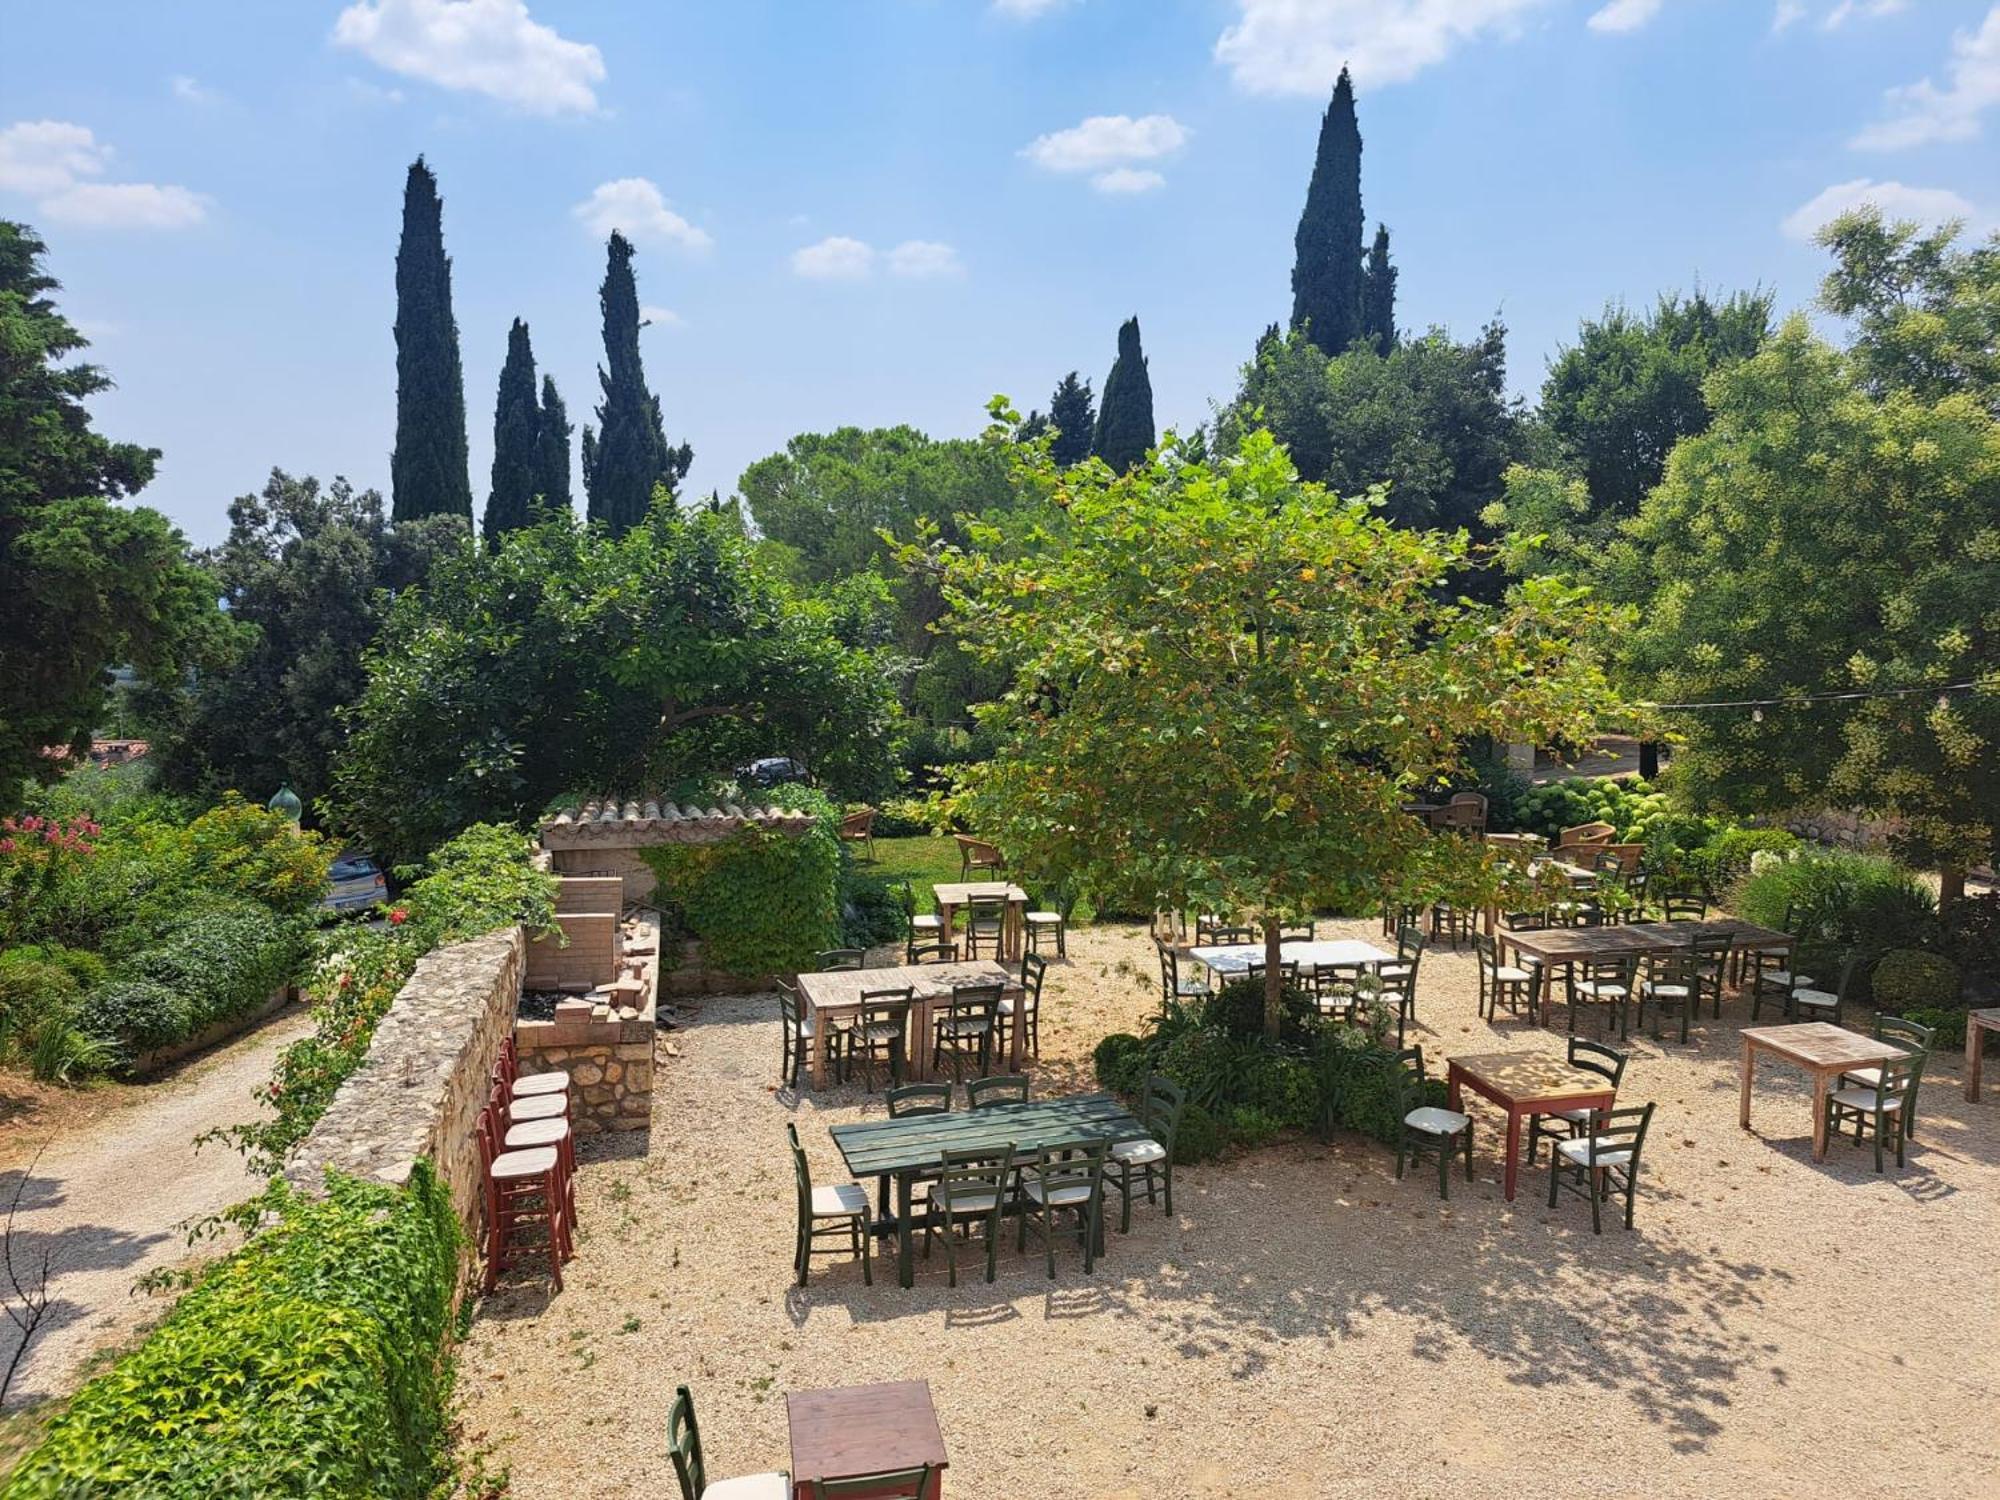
[[312, 1361]]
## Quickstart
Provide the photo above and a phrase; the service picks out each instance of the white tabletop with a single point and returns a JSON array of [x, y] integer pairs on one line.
[[1237, 957]]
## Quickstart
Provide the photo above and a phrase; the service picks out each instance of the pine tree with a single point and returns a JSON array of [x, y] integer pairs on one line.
[[1072, 413], [1326, 276], [552, 429], [1125, 416], [1378, 294], [517, 421], [429, 471], [628, 454]]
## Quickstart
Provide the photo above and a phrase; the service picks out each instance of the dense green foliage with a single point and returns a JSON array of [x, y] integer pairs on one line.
[[87, 582], [567, 659], [429, 472], [1125, 431], [312, 1361], [1327, 273], [1839, 901], [627, 461], [1909, 978], [517, 422], [1378, 294], [1072, 421], [552, 430]]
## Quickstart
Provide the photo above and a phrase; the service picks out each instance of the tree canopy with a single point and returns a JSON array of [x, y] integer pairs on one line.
[[429, 471], [517, 421], [1326, 269], [1125, 416], [1073, 417], [627, 460]]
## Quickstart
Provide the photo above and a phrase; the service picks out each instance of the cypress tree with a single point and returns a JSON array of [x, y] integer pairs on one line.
[[1072, 413], [1326, 276], [552, 492], [429, 472], [1125, 416], [1378, 294], [628, 454], [517, 421]]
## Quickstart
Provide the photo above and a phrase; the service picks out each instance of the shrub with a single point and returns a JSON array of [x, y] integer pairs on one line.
[[1725, 858], [1355, 1083], [309, 1362], [1907, 978], [1201, 1136], [1947, 1025], [1121, 1063], [246, 850], [1215, 1068], [1840, 900], [136, 1016], [1630, 806], [1252, 1126], [870, 912], [1238, 1008], [904, 818], [226, 959]]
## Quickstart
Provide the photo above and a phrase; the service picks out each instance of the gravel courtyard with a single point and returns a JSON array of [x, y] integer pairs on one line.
[[1307, 1325]]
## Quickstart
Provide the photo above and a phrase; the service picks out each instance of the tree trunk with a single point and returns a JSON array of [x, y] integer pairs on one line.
[[1951, 887], [1649, 759], [1274, 979]]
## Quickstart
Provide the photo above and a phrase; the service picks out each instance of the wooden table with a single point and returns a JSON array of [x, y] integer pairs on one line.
[[1235, 958], [1977, 1024], [1556, 946], [856, 1430], [1523, 1084], [1013, 921], [1823, 1050], [907, 1148], [836, 995]]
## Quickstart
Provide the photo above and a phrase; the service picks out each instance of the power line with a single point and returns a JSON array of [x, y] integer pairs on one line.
[[1942, 690]]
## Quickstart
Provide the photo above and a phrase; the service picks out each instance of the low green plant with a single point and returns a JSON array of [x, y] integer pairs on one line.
[[904, 817], [1840, 899], [1908, 978], [1947, 1024], [871, 913], [311, 1361], [1201, 1138], [1121, 1063]]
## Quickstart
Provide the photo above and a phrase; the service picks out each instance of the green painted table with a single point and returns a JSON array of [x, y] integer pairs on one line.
[[909, 1147]]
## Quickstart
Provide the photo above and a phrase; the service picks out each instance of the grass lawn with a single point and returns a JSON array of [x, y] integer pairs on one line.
[[923, 861]]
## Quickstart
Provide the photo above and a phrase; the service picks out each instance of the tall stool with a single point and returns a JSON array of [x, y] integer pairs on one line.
[[522, 1189]]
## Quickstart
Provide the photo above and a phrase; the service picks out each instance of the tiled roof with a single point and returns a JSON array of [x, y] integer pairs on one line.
[[604, 822]]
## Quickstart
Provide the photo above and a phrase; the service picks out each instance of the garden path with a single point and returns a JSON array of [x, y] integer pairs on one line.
[[108, 1198]]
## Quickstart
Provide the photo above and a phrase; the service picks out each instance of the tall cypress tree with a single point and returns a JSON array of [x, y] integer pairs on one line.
[[1326, 276], [628, 454], [552, 492], [1378, 294], [429, 472], [1125, 416], [1073, 415], [517, 421]]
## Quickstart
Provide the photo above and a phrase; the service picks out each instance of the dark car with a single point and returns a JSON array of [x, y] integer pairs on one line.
[[355, 883], [772, 770]]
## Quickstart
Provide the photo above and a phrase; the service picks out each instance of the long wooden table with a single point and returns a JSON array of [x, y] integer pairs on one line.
[[853, 1431], [952, 894], [1977, 1024], [1524, 1084], [836, 995], [1823, 1050], [912, 1146], [1556, 946]]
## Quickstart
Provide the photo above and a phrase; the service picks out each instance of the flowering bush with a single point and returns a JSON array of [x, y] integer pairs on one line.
[[35, 853]]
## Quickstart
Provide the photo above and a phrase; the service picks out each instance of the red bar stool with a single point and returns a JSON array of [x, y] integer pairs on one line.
[[524, 1189], [506, 1067], [527, 1124]]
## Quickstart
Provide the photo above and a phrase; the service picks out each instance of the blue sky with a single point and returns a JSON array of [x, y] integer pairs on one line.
[[881, 211]]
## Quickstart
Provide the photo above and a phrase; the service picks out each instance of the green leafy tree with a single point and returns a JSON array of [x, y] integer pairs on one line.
[[1073, 416], [552, 430], [628, 459], [567, 660], [1125, 432], [88, 582], [1327, 272], [1226, 682], [429, 472], [1924, 308], [517, 420], [305, 575], [1378, 294]]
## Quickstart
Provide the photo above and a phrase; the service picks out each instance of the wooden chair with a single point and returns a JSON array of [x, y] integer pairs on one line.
[[1336, 987], [1411, 946], [1818, 1004], [1297, 932], [1025, 1009], [1886, 1106], [1066, 1179], [858, 827], [919, 1099], [507, 1067], [1427, 1127], [1501, 984], [881, 1029], [985, 921], [684, 1446], [527, 1214], [1172, 986], [1392, 997], [919, 927], [1466, 812], [970, 1192], [1398, 915], [1685, 906], [1052, 917], [1001, 1088], [1151, 1159], [896, 1484], [1584, 836], [1602, 1160], [977, 854], [1910, 1034], [796, 1030], [528, 1125], [933, 953], [1710, 952], [1589, 1057], [1607, 982], [1672, 983], [841, 960], [966, 1026], [837, 1212]]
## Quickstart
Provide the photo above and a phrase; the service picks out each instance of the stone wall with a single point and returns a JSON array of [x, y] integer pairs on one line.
[[426, 1076]]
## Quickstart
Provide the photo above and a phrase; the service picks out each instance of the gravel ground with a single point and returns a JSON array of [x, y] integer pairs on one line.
[[1307, 1325]]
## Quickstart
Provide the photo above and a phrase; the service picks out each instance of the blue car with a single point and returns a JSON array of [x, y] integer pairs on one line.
[[355, 883]]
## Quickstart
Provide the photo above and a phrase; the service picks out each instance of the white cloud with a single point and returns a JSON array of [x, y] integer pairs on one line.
[[1789, 13], [490, 47], [1925, 205], [1923, 112], [634, 206], [48, 161], [660, 317], [1866, 10], [924, 258], [1299, 46], [1624, 15], [835, 258], [1106, 141], [1126, 180], [193, 90]]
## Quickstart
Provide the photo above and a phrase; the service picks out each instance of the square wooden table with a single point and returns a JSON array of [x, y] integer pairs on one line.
[[1977, 1024], [1823, 1050], [1523, 1084], [1235, 958], [853, 1431], [953, 894], [836, 995]]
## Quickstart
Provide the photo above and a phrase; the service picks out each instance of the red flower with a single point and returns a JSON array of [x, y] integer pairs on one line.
[[398, 917]]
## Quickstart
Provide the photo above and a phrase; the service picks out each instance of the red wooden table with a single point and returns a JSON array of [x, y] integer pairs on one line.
[[855, 1430], [1525, 1083]]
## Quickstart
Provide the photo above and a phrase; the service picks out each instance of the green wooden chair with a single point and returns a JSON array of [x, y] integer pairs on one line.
[[1172, 986], [838, 960], [1685, 906], [1298, 932], [1501, 984], [836, 1212], [1002, 1088], [1336, 988], [1590, 1057], [1918, 1039], [1602, 1160], [1607, 982], [881, 1030], [1885, 1107], [919, 1099], [970, 1192], [1051, 915], [1711, 968], [1427, 1127], [964, 1028], [985, 922], [1025, 1009], [1672, 983], [933, 953], [1066, 1179], [795, 1030], [919, 928], [896, 1484], [1150, 1160], [1823, 1005], [684, 1446], [1411, 945]]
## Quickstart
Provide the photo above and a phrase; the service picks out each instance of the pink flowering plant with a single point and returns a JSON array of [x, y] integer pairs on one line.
[[36, 854]]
